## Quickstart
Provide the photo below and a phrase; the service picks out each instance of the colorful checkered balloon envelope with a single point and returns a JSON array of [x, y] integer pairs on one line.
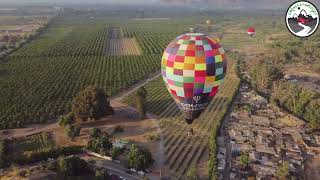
[[193, 68]]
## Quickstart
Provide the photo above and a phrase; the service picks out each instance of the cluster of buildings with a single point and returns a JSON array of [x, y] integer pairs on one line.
[[22, 30], [268, 136]]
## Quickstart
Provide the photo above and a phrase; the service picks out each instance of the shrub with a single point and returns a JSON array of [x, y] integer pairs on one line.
[[118, 129], [73, 131], [44, 154], [139, 157], [99, 142], [153, 137], [115, 152], [67, 119]]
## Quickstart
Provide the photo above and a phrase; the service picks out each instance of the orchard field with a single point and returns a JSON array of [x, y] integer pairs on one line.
[[39, 80], [181, 149]]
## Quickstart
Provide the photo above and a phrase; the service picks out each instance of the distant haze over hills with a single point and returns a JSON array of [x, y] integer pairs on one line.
[[210, 4], [241, 3]]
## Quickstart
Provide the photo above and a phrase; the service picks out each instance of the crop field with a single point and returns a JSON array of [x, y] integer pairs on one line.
[[182, 150], [31, 143], [118, 45], [39, 80]]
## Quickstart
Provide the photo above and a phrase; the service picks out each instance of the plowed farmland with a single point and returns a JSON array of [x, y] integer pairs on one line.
[[119, 45]]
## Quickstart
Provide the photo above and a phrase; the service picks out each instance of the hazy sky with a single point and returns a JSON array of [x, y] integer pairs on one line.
[[77, 1]]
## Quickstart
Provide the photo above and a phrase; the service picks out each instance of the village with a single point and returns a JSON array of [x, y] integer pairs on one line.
[[20, 24], [258, 137]]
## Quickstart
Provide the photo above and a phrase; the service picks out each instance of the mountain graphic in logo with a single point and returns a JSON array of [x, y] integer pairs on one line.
[[303, 19]]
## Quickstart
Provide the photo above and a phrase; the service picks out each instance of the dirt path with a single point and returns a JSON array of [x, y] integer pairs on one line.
[[28, 131], [125, 116], [115, 102], [135, 87]]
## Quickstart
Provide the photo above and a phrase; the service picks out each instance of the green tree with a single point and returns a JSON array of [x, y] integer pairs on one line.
[[139, 158], [192, 173], [140, 99], [4, 147], [244, 159], [95, 132], [283, 171], [72, 166], [115, 152], [72, 131], [91, 104], [263, 74], [292, 97], [312, 114], [101, 174], [67, 119], [100, 144]]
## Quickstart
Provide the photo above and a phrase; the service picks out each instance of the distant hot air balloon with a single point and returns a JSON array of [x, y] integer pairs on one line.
[[251, 31], [193, 68], [192, 29], [208, 22], [209, 25]]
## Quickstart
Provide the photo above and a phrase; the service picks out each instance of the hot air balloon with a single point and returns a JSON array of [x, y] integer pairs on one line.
[[193, 68], [209, 25], [251, 31], [208, 22]]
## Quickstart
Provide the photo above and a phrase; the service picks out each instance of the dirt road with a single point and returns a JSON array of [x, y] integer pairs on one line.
[[115, 102]]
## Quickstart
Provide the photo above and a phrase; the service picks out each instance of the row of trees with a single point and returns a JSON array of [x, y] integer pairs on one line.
[[68, 167], [230, 92]]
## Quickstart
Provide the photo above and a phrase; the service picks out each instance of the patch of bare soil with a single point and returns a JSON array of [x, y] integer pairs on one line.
[[312, 168], [117, 45], [28, 130], [122, 46], [275, 36], [296, 70], [135, 129], [305, 75]]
